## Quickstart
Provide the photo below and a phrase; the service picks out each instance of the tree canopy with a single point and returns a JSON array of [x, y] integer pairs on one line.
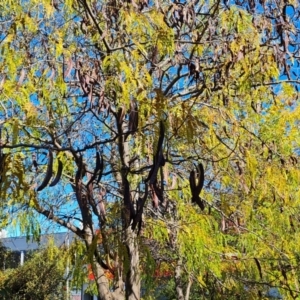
[[164, 134], [43, 275]]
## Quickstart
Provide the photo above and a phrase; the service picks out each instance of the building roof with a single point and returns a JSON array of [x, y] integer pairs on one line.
[[23, 244]]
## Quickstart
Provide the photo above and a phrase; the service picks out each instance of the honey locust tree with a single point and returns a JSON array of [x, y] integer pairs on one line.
[[116, 115]]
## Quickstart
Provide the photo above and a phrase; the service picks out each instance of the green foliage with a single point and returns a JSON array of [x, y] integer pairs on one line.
[[82, 77], [43, 276]]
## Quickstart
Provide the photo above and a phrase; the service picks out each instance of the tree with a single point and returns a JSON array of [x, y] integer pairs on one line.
[[9, 259], [43, 276], [125, 103]]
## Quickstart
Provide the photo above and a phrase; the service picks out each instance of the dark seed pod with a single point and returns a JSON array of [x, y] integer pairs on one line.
[[80, 168], [2, 165], [98, 162], [158, 159], [258, 267], [78, 179], [58, 174], [133, 117], [101, 168], [161, 136], [196, 199], [200, 178], [98, 169], [192, 181], [196, 187], [34, 162], [48, 173], [2, 156]]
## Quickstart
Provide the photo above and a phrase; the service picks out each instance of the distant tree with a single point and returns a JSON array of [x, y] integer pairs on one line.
[[8, 259], [164, 134], [43, 277]]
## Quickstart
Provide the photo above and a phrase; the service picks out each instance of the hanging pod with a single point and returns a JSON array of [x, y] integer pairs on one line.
[[49, 172], [58, 174], [196, 187], [98, 169]]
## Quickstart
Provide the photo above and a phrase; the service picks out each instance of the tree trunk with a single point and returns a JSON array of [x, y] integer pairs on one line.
[[132, 281], [178, 283], [133, 276], [102, 283], [98, 272], [188, 289]]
